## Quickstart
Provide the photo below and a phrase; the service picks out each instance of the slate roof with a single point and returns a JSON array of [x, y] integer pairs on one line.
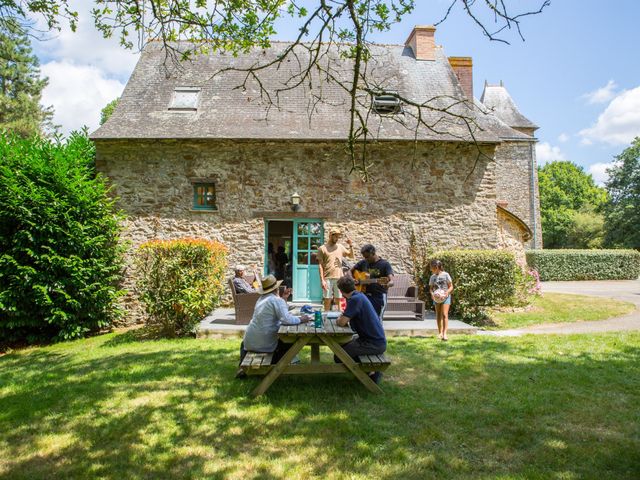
[[497, 99], [227, 112]]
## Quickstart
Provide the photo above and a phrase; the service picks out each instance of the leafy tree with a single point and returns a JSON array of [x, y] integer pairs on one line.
[[20, 84], [237, 26], [106, 112], [569, 203], [622, 211]]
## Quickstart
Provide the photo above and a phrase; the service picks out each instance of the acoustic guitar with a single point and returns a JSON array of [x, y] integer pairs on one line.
[[362, 280]]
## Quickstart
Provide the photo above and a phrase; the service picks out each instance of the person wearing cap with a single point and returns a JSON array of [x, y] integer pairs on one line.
[[239, 282], [330, 257], [270, 312]]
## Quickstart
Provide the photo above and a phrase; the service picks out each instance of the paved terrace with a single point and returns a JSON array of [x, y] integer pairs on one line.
[[221, 324]]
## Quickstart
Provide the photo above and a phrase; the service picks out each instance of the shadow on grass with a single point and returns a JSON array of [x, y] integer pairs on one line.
[[473, 407]]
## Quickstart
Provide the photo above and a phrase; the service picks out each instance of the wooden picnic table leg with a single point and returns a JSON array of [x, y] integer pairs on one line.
[[280, 367], [315, 353], [351, 364]]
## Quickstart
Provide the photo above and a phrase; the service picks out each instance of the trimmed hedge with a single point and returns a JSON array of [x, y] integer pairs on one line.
[[481, 279], [585, 264], [179, 282], [60, 259]]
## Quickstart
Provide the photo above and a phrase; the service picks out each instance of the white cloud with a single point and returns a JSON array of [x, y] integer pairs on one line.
[[87, 46], [599, 172], [78, 93], [563, 137], [603, 94], [85, 70], [545, 153], [619, 124]]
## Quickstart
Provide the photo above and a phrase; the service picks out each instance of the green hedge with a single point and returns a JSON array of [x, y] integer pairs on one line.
[[585, 264], [481, 279], [179, 282], [60, 258]]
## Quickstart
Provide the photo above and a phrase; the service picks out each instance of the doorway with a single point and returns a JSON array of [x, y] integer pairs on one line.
[[290, 255]]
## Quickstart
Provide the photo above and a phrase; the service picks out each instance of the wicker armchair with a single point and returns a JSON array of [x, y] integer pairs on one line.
[[244, 303], [402, 299]]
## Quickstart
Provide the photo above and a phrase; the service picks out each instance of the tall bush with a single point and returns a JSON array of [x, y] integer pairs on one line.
[[60, 259], [585, 264], [179, 282], [481, 279]]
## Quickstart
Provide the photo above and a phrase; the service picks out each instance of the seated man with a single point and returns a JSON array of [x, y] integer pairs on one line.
[[239, 282], [270, 312], [363, 319]]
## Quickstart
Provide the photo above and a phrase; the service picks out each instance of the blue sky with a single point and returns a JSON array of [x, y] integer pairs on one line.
[[576, 75]]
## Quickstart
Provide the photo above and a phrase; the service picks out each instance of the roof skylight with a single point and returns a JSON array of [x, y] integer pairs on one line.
[[185, 99]]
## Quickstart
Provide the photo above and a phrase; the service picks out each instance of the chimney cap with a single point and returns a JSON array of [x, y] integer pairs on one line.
[[417, 28]]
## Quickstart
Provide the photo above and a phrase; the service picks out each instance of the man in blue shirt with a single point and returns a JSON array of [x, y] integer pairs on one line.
[[364, 320], [270, 312]]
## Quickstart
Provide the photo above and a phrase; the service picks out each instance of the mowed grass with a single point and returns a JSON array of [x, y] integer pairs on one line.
[[112, 407], [561, 308]]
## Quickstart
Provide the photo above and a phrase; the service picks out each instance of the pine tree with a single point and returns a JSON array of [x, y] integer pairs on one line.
[[20, 84]]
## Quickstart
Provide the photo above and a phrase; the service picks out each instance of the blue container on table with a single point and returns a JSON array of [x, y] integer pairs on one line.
[[317, 319]]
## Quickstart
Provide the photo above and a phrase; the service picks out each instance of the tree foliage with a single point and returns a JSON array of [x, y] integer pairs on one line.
[[569, 204], [60, 258], [107, 111], [189, 27], [20, 84], [622, 211]]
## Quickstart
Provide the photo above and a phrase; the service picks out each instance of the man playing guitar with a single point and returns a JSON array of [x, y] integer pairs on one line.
[[374, 276]]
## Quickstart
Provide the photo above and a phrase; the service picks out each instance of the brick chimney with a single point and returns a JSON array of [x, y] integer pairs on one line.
[[463, 68], [422, 42]]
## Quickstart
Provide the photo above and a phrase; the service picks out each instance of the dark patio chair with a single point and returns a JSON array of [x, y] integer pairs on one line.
[[244, 303]]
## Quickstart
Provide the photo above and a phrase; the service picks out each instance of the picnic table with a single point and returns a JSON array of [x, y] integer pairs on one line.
[[306, 334]]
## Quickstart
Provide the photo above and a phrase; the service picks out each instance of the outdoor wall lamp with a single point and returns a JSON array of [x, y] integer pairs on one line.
[[295, 202]]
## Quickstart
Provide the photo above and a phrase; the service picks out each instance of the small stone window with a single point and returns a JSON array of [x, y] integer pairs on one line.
[[204, 196], [185, 99], [387, 103]]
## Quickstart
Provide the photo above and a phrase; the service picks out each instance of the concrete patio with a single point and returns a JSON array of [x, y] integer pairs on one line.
[[221, 324]]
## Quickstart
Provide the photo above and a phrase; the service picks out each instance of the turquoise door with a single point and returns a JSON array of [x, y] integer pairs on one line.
[[308, 235]]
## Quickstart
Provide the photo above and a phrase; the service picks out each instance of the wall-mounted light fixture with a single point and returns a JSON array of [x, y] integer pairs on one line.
[[295, 202]]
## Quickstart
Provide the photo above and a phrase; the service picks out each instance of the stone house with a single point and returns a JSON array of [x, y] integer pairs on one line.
[[189, 154]]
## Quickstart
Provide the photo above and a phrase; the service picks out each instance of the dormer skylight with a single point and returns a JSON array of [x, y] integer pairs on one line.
[[387, 103], [185, 99]]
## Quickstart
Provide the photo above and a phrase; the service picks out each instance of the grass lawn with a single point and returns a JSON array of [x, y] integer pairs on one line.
[[560, 308], [111, 407]]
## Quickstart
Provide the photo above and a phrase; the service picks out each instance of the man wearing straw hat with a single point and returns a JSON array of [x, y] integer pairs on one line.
[[270, 312], [330, 257]]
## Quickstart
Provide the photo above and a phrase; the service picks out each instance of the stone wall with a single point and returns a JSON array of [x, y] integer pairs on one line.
[[443, 190], [514, 161], [511, 237]]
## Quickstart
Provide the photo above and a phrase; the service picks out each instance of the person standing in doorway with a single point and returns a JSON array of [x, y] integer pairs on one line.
[[330, 257], [379, 277]]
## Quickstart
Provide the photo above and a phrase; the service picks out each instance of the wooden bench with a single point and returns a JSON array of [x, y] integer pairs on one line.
[[255, 363], [374, 363]]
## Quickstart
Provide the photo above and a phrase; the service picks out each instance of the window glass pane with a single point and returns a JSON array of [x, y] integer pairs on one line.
[[303, 243], [211, 196], [303, 229], [315, 229], [302, 258], [314, 258]]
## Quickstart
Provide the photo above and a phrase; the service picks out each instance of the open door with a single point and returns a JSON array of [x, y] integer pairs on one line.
[[308, 235]]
